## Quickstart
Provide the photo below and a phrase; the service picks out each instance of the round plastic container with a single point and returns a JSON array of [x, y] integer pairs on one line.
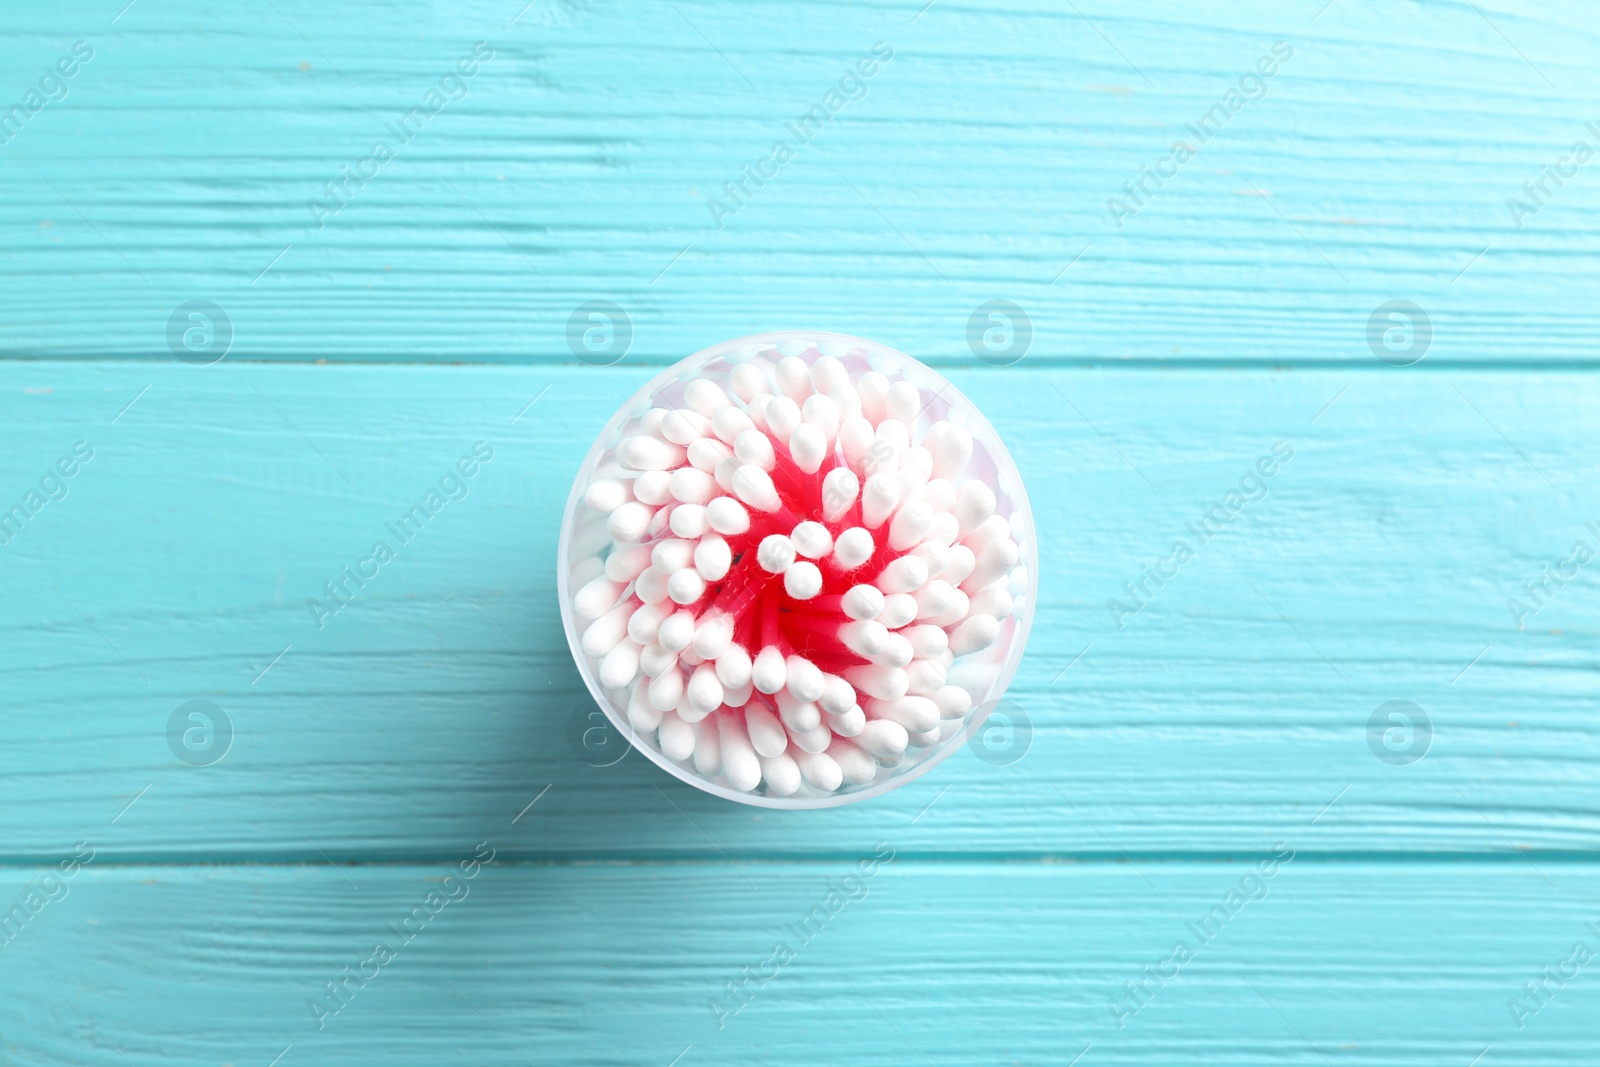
[[985, 674]]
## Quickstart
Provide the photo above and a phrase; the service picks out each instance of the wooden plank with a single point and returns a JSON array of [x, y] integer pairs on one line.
[[1232, 710], [581, 161], [939, 963]]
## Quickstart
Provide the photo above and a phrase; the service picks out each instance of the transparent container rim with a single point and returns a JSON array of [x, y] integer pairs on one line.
[[619, 719]]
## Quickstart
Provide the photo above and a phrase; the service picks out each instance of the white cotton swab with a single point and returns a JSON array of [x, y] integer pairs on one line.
[[729, 422], [671, 554], [783, 417], [974, 503], [676, 631], [820, 770], [677, 738], [686, 586], [847, 723], [734, 666], [812, 540], [753, 486], [627, 563], [707, 748], [962, 560], [865, 638], [993, 563], [856, 767], [906, 574], [808, 445], [898, 610], [928, 676], [953, 452], [935, 555], [608, 494], [885, 683], [993, 600], [974, 634], [652, 586], [802, 715], [803, 580], [727, 516], [803, 679], [852, 548], [916, 713], [650, 422], [883, 738], [754, 447], [768, 672], [690, 521], [863, 602], [819, 410], [837, 696], [604, 633], [684, 427], [839, 491], [855, 439], [630, 521], [775, 554], [879, 498], [655, 659], [646, 622], [828, 373], [794, 378], [597, 598], [713, 634], [705, 396], [909, 525], [749, 381], [953, 702], [896, 652], [766, 732], [691, 485], [873, 388], [712, 557], [642, 715], [739, 760], [812, 741], [620, 666], [781, 774], [653, 487]]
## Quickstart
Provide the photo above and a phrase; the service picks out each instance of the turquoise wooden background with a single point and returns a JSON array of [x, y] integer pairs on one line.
[[1433, 873]]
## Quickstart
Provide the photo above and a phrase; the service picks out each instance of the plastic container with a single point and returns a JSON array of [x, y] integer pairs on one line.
[[985, 674]]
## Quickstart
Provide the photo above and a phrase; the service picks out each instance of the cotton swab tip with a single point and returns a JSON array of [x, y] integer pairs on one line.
[[803, 580]]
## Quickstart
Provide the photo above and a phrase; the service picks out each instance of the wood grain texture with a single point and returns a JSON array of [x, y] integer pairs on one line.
[[1368, 965], [1172, 749], [1231, 710], [581, 160]]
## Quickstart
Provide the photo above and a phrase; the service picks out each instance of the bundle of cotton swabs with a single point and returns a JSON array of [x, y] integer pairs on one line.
[[792, 574]]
